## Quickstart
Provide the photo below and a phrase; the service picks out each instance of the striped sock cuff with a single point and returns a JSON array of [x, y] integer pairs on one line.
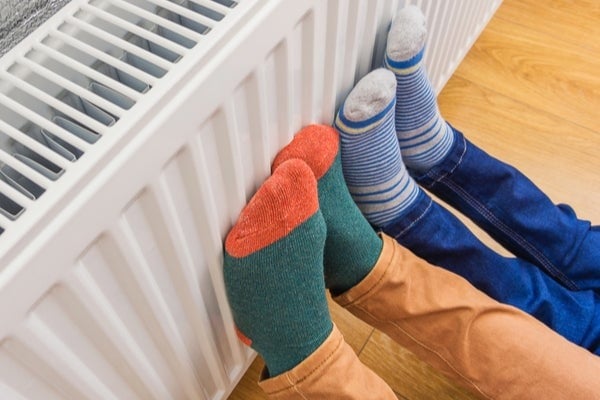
[[404, 67], [373, 168], [385, 203]]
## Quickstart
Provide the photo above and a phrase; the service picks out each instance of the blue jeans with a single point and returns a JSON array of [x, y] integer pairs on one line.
[[434, 234], [517, 214]]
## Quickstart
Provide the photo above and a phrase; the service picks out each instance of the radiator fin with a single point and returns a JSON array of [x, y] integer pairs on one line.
[[76, 82]]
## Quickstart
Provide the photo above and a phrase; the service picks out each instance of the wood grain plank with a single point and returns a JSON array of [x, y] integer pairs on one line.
[[247, 388], [560, 156], [406, 374], [574, 21], [543, 72], [356, 332]]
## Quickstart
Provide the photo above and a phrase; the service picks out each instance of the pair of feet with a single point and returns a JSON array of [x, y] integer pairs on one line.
[[303, 224], [390, 121], [300, 227]]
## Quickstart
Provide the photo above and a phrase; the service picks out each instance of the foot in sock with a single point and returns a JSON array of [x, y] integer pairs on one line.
[[273, 269], [424, 137], [371, 160], [352, 247]]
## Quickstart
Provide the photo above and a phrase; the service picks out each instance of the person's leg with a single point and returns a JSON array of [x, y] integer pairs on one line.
[[433, 233], [424, 137], [331, 372], [494, 349], [517, 214], [496, 196], [273, 272], [490, 348], [369, 154]]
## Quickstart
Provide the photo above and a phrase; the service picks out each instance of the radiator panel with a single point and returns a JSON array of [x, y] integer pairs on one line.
[[112, 283]]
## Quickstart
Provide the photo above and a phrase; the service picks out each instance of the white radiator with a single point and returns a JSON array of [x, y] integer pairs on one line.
[[132, 132]]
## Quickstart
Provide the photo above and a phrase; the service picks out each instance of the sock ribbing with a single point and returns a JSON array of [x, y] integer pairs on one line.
[[371, 160], [273, 270], [424, 137]]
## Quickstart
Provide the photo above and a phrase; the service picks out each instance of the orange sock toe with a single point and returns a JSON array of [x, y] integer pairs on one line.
[[284, 201], [316, 145]]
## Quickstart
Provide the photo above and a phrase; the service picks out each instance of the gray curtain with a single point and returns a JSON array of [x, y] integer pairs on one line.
[[18, 18]]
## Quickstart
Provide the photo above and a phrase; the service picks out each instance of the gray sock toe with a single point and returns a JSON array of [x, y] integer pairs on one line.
[[407, 34], [371, 95]]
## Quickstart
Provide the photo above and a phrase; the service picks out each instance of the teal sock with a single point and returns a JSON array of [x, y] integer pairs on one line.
[[371, 160], [352, 247], [424, 137], [273, 269]]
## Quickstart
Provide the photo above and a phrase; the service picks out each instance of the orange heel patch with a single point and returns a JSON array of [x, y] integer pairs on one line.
[[316, 145]]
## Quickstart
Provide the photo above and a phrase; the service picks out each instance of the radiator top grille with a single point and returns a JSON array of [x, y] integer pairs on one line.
[[60, 96]]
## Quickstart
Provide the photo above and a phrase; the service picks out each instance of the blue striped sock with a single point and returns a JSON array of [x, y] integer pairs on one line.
[[424, 137], [371, 160]]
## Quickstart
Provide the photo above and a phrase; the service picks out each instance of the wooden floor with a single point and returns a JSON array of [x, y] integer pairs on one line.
[[529, 93]]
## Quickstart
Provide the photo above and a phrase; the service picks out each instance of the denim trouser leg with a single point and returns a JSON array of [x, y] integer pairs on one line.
[[434, 234], [517, 214]]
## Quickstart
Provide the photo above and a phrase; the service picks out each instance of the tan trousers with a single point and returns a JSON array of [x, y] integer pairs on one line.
[[493, 349]]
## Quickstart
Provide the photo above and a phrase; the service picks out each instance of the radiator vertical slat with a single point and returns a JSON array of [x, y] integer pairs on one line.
[[295, 69], [353, 30], [432, 32], [8, 393], [224, 132], [21, 374], [441, 32], [156, 303], [188, 279], [333, 58], [258, 125], [455, 35], [85, 289], [283, 91], [42, 341], [449, 34], [310, 77], [369, 33], [464, 29], [211, 237], [240, 108]]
